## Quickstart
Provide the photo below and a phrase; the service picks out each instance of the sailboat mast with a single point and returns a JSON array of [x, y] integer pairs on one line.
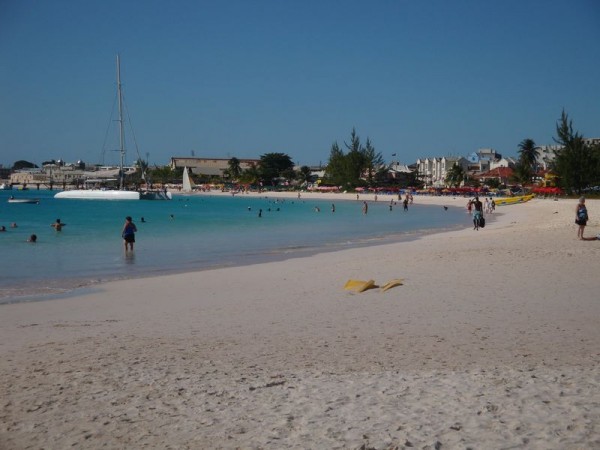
[[121, 126]]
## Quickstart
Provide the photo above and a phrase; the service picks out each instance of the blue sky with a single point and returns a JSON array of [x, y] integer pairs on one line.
[[244, 78]]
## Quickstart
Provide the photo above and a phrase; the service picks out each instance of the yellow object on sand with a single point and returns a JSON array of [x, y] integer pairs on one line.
[[392, 283], [513, 200], [358, 285]]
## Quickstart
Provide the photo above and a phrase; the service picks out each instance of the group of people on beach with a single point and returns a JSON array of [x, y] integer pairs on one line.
[[488, 206]]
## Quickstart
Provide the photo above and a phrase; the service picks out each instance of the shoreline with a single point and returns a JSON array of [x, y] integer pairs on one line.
[[56, 287], [492, 341]]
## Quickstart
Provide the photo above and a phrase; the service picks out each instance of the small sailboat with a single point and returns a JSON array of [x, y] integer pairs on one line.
[[121, 193], [188, 184]]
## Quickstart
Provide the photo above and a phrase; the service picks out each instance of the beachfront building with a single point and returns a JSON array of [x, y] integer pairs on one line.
[[482, 159], [59, 174], [502, 174], [399, 173], [503, 162], [210, 166], [433, 171], [546, 155], [24, 177]]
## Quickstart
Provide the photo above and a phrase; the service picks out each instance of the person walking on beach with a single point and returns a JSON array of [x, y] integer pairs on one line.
[[128, 233], [581, 217], [478, 213]]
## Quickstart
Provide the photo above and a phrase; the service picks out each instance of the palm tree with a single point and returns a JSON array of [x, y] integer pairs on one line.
[[455, 175], [234, 168], [304, 174], [528, 154]]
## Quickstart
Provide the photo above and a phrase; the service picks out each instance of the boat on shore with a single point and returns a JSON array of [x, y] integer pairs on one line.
[[121, 193], [513, 200]]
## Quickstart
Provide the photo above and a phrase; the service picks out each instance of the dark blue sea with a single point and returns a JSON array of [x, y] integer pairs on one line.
[[187, 233]]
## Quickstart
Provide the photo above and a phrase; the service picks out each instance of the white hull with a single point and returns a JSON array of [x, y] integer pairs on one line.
[[155, 195], [23, 200], [99, 194]]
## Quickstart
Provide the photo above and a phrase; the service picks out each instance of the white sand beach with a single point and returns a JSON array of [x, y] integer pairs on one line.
[[492, 342]]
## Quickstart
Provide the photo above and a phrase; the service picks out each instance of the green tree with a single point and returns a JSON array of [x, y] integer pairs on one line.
[[335, 172], [250, 176], [349, 169], [455, 175], [576, 163], [22, 164], [304, 174], [274, 165], [528, 154], [233, 168], [522, 172], [165, 175], [373, 162]]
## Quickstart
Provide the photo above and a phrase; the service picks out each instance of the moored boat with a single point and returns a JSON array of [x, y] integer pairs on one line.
[[99, 194], [23, 200], [121, 193]]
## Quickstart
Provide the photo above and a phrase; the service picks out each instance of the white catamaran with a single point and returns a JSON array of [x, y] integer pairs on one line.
[[121, 193]]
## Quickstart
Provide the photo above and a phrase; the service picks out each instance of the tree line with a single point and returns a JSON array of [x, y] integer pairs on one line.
[[576, 163], [576, 166]]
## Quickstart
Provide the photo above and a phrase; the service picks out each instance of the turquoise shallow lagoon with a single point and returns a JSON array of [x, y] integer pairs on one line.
[[189, 233]]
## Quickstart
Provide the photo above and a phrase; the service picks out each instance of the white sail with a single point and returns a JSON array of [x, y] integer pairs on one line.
[[188, 184]]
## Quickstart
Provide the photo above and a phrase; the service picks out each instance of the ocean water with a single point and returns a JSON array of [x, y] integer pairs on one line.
[[187, 233]]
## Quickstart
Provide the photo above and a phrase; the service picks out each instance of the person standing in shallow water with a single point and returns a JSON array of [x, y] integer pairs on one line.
[[58, 225], [128, 233]]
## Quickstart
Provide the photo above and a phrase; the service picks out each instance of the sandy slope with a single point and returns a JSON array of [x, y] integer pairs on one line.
[[492, 342]]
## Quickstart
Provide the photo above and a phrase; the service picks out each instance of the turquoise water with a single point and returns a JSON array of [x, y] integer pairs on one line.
[[189, 232]]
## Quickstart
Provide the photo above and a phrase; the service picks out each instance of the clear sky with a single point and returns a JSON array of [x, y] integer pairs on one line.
[[243, 78]]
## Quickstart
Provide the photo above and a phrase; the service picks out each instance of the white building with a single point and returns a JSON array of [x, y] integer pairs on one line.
[[433, 171]]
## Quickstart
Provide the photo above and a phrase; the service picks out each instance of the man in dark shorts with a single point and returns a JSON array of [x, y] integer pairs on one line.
[[128, 233], [478, 213]]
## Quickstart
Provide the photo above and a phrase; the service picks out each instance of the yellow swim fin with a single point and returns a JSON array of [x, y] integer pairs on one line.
[[359, 285], [392, 283]]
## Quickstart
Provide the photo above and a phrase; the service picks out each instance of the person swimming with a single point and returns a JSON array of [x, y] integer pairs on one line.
[[58, 225]]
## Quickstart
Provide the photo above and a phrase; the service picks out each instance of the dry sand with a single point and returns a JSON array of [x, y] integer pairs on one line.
[[492, 342]]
